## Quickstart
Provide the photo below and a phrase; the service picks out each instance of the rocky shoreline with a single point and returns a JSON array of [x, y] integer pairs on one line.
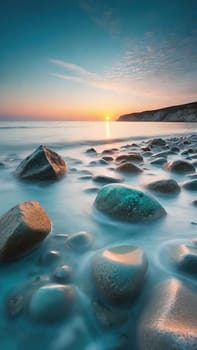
[[94, 289]]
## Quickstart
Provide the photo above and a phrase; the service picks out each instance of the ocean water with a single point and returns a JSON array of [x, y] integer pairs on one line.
[[69, 204]]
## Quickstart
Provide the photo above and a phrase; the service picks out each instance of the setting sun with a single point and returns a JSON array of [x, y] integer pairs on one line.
[[107, 118]]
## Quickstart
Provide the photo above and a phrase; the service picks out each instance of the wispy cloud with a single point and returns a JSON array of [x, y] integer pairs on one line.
[[146, 68]]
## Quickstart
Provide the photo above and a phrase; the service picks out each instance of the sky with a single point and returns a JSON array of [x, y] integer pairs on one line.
[[91, 60]]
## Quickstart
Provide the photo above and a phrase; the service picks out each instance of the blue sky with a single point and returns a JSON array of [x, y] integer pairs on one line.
[[85, 59]]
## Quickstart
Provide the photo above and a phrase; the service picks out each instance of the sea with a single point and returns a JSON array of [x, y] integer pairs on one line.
[[69, 203]]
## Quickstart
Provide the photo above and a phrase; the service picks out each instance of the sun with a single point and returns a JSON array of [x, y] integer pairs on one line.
[[107, 118]]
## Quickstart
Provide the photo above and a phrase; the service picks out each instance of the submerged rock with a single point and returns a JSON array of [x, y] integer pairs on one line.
[[157, 142], [131, 157], [63, 274], [169, 320], [51, 303], [180, 166], [21, 229], [184, 258], [42, 164], [109, 317], [190, 185], [167, 186], [104, 179], [80, 241], [159, 161], [127, 204], [129, 168], [118, 273]]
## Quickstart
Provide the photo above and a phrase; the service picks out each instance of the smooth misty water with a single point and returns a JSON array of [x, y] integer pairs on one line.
[[70, 208]]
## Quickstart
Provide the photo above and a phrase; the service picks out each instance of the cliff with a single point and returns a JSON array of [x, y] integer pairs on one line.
[[181, 113]]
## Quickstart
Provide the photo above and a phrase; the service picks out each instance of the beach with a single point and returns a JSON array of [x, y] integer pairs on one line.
[[92, 251]]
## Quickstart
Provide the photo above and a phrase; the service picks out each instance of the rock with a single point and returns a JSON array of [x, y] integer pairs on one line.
[[80, 241], [194, 203], [49, 258], [91, 189], [42, 164], [63, 274], [169, 320], [147, 154], [157, 142], [104, 179], [190, 185], [51, 303], [91, 150], [129, 168], [131, 157], [127, 204], [167, 186], [146, 148], [21, 229], [184, 258], [180, 166], [118, 273], [108, 158], [159, 161], [109, 317]]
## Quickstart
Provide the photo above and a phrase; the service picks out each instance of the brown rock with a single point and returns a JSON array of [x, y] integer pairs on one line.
[[21, 229]]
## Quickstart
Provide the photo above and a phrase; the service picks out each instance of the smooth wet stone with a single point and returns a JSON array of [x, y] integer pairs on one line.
[[51, 303], [21, 229], [49, 258], [91, 150], [169, 320], [125, 203], [147, 154], [108, 158], [91, 190], [85, 177], [118, 273], [194, 203], [175, 149], [158, 161], [190, 185], [63, 274], [146, 148], [80, 241], [165, 186], [179, 166], [163, 154], [184, 258], [129, 168], [109, 151], [104, 179], [131, 157], [42, 164], [109, 317], [157, 142]]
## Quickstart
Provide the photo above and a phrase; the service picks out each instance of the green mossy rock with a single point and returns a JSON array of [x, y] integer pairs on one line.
[[127, 204]]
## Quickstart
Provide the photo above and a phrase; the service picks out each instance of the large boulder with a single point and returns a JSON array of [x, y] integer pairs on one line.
[[118, 273], [21, 229], [179, 166], [127, 204], [42, 164], [169, 320]]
